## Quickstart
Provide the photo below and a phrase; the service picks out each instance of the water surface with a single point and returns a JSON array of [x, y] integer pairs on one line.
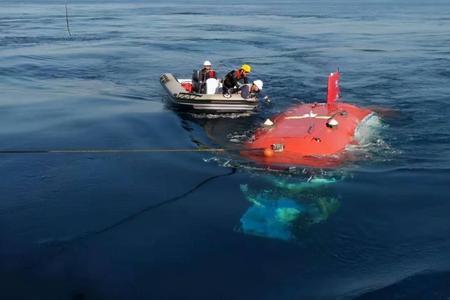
[[172, 225]]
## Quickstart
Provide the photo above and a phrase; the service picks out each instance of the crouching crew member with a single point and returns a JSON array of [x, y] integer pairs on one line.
[[251, 91], [232, 79]]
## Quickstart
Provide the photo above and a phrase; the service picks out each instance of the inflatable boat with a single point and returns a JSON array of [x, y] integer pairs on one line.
[[181, 94], [315, 134]]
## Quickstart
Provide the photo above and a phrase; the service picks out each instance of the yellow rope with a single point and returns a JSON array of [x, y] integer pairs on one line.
[[142, 150]]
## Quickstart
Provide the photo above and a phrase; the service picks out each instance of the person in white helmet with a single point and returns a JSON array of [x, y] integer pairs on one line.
[[200, 76], [249, 91]]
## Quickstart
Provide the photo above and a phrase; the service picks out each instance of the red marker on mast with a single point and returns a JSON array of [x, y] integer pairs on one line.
[[334, 92]]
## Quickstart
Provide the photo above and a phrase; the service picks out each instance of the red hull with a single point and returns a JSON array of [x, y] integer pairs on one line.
[[304, 135]]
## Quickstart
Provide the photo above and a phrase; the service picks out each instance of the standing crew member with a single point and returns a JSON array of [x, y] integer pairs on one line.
[[251, 91], [231, 80], [200, 76]]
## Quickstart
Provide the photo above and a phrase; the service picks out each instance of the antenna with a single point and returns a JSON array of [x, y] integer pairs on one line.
[[67, 20]]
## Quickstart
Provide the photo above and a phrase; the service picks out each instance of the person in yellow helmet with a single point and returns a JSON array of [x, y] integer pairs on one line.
[[231, 80]]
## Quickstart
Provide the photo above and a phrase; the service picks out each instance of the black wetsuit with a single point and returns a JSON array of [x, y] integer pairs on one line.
[[231, 81]]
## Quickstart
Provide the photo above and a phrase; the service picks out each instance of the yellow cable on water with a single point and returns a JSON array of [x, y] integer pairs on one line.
[[143, 150], [135, 150]]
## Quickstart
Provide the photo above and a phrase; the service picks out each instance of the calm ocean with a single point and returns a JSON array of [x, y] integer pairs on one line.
[[199, 225]]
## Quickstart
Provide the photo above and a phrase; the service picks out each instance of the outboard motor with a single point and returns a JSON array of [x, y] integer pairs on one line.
[[195, 81]]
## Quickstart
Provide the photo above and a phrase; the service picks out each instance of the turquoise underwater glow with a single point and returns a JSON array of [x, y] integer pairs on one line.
[[287, 208]]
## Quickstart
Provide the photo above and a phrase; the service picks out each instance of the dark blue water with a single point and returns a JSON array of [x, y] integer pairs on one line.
[[196, 225]]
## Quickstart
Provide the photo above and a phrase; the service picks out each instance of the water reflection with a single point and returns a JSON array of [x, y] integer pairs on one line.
[[285, 202], [283, 208]]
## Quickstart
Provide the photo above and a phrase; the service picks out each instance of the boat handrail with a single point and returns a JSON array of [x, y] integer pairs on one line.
[[191, 94]]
